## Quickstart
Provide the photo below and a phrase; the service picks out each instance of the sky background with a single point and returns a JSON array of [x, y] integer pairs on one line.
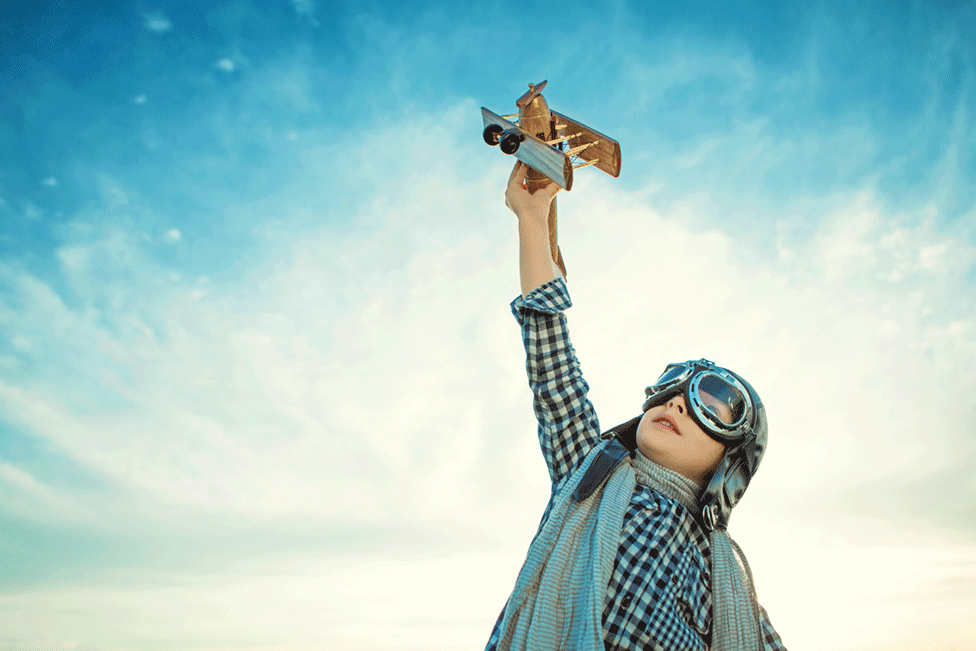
[[260, 387]]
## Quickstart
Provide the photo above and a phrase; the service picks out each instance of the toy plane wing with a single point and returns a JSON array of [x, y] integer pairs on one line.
[[588, 144], [534, 152]]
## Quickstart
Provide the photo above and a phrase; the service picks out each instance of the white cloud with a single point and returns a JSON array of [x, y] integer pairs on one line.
[[157, 23], [338, 603], [368, 371], [929, 257], [371, 372], [18, 478], [328, 366], [306, 9]]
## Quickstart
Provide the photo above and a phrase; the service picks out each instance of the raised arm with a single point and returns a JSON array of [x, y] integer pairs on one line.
[[536, 266], [568, 425]]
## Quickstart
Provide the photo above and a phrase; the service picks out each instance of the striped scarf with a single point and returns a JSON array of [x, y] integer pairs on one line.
[[558, 599]]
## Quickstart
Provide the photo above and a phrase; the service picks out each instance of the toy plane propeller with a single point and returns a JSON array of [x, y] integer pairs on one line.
[[552, 145]]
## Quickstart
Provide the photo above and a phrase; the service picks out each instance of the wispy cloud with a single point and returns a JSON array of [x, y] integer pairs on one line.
[[269, 379], [157, 23]]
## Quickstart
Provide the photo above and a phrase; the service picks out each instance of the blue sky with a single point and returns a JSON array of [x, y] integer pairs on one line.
[[259, 384]]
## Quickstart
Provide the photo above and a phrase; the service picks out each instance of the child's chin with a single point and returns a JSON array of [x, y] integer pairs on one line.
[[646, 446]]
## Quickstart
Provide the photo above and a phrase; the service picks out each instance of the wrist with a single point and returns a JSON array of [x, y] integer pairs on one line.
[[534, 219]]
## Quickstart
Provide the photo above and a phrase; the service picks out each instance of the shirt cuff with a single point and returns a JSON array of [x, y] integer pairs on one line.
[[549, 298]]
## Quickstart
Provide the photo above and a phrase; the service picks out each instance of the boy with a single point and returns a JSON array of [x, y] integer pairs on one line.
[[632, 552]]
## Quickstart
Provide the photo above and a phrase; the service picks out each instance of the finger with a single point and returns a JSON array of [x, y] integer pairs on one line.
[[511, 177], [518, 175], [551, 190]]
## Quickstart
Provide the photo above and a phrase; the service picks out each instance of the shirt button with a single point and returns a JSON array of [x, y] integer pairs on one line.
[[625, 602], [653, 552]]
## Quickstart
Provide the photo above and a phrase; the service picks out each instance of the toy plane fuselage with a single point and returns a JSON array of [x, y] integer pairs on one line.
[[549, 142]]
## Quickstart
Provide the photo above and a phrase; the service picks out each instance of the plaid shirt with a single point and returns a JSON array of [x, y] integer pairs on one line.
[[659, 595]]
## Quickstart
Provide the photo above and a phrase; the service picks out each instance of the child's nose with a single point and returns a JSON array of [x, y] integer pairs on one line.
[[679, 402]]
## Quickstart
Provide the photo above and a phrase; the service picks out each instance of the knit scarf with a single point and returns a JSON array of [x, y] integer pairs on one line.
[[558, 599]]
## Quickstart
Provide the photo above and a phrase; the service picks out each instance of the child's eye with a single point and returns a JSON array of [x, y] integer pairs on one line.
[[717, 407]]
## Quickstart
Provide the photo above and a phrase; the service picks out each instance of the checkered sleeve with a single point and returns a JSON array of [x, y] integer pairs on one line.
[[568, 426], [771, 639]]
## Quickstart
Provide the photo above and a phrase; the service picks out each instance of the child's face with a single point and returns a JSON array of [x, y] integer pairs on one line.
[[668, 436]]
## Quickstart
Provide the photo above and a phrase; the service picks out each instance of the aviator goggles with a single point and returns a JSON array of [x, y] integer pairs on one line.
[[717, 400]]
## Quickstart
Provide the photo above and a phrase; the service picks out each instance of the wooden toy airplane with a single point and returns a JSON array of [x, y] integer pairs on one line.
[[552, 145]]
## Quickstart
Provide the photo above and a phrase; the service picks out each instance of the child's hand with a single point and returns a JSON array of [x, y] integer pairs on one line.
[[526, 206]]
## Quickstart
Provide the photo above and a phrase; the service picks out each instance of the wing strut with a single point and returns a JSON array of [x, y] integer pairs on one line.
[[576, 150], [587, 163]]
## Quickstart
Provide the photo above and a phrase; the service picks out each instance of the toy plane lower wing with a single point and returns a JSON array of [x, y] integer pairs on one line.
[[532, 151]]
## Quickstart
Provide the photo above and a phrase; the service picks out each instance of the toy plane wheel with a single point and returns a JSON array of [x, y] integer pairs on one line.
[[510, 143], [492, 134]]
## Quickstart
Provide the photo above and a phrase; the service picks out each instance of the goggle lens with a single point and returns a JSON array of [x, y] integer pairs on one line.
[[721, 399], [671, 374]]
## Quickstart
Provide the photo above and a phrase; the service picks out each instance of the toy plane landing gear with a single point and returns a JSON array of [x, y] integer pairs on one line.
[[552, 145]]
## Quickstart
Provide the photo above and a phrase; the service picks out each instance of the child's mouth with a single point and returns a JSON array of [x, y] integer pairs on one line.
[[666, 424]]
